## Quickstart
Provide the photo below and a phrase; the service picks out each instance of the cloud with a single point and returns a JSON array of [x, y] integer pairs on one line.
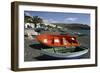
[[27, 14], [53, 21], [45, 21], [66, 20], [71, 19]]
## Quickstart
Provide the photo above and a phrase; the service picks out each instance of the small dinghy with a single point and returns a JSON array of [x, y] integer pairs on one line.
[[61, 46], [62, 52]]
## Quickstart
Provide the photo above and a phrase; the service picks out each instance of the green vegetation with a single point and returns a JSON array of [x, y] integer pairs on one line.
[[28, 19], [37, 20], [34, 19]]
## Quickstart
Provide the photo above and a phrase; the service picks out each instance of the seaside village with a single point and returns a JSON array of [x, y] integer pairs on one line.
[[32, 29], [73, 45]]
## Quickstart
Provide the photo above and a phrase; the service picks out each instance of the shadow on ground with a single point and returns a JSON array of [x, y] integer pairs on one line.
[[39, 46]]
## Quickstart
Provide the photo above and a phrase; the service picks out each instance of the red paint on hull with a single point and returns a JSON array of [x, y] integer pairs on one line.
[[57, 40]]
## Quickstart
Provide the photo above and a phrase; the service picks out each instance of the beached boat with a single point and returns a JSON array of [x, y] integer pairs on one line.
[[70, 53], [61, 46]]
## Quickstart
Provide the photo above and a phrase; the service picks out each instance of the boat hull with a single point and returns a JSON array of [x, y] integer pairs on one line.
[[57, 40], [68, 55]]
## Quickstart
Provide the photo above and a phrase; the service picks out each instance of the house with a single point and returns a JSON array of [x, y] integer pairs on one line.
[[32, 25], [59, 27], [29, 25]]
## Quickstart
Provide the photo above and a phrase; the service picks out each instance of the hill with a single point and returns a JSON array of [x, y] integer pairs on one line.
[[73, 26]]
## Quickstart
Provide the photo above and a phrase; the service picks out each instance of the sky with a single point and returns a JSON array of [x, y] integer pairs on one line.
[[61, 17]]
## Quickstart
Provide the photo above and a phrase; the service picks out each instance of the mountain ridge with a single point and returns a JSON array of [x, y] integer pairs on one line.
[[73, 26]]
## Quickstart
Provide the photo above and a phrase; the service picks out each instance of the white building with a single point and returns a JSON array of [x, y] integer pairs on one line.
[[32, 25], [29, 25], [38, 25]]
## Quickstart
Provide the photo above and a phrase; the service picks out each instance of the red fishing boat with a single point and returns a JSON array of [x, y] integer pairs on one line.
[[58, 40], [61, 46]]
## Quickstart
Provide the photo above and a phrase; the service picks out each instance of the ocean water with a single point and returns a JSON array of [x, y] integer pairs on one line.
[[80, 31]]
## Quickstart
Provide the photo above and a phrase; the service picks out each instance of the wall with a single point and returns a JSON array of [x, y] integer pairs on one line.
[[5, 40]]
